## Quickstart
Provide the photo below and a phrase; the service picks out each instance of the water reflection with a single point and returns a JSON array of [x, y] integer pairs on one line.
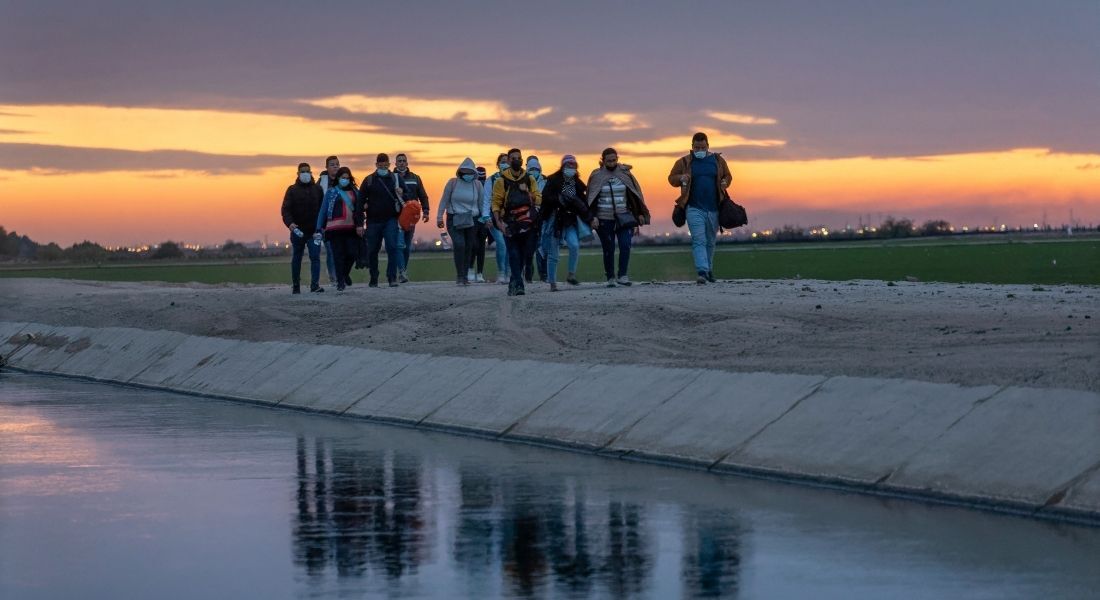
[[362, 512]]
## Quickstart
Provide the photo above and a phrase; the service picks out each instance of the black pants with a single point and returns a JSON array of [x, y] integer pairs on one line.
[[345, 249], [476, 255], [463, 243], [521, 252]]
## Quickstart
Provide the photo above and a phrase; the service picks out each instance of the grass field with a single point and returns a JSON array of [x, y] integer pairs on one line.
[[1071, 262]]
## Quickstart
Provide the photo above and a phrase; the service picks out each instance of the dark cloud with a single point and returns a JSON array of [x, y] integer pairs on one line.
[[62, 159]]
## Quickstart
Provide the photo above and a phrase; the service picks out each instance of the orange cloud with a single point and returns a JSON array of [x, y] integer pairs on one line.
[[442, 109], [741, 119]]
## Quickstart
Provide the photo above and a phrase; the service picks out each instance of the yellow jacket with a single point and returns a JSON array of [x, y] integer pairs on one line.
[[498, 190]]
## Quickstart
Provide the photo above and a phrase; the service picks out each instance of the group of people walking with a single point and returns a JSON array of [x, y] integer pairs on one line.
[[526, 215]]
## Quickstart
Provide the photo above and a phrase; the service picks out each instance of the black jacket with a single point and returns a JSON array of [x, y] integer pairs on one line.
[[414, 188], [567, 209], [379, 197], [301, 203]]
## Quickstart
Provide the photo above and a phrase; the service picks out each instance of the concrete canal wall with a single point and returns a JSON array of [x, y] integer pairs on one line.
[[1015, 449]]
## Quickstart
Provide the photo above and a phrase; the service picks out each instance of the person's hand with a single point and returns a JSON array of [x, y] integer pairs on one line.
[[595, 223], [725, 182], [637, 230], [359, 231], [317, 237], [293, 226], [685, 179], [439, 224], [484, 220], [426, 219]]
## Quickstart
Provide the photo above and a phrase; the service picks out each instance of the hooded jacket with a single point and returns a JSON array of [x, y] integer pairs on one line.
[[683, 166], [301, 203], [413, 187], [635, 202], [498, 190], [450, 204]]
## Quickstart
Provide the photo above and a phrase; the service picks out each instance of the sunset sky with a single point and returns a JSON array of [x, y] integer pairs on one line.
[[132, 122]]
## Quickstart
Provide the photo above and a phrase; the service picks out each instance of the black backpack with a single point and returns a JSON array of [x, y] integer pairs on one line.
[[518, 205]]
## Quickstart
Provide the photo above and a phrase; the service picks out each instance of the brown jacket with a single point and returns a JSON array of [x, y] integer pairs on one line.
[[682, 166]]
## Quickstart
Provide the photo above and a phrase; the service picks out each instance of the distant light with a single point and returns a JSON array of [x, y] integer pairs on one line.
[[438, 243], [754, 235], [1036, 226]]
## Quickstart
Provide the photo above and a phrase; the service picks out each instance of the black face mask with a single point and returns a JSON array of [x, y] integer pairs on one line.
[[516, 164]]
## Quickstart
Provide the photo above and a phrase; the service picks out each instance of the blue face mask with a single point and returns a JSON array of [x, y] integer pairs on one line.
[[700, 153], [503, 167], [568, 172], [382, 172], [535, 173], [345, 182], [305, 177], [467, 177]]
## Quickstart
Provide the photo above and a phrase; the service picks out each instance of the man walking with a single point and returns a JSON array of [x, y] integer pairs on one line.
[[702, 177], [301, 203], [412, 188], [516, 199]]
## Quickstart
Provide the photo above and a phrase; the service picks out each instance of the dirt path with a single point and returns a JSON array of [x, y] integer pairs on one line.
[[967, 334]]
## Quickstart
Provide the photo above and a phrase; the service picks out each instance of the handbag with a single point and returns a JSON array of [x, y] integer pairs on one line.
[[625, 220], [679, 216], [584, 231], [730, 213], [462, 220]]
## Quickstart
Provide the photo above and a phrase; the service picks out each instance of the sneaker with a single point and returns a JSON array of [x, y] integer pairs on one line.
[[502, 279], [339, 287], [511, 289], [624, 280], [702, 278], [393, 283], [572, 279], [373, 283], [553, 286], [470, 275], [403, 277], [460, 281], [479, 278], [610, 282], [520, 291], [710, 277], [296, 289], [316, 289]]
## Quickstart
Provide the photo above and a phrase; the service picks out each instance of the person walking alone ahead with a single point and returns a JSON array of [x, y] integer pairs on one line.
[[340, 220], [563, 211], [516, 199], [412, 188], [301, 205], [702, 177], [461, 201], [383, 203], [615, 200]]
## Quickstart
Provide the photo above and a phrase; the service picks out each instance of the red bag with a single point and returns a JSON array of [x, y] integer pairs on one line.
[[410, 215]]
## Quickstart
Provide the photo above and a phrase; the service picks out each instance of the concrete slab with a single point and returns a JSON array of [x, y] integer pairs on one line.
[[227, 373], [859, 429], [602, 404], [290, 371], [50, 348], [1024, 445], [1084, 496], [118, 353], [10, 338], [421, 388], [356, 373], [176, 364], [714, 415], [508, 392]]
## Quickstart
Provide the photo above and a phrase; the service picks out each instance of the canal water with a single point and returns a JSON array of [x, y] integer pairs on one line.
[[110, 492]]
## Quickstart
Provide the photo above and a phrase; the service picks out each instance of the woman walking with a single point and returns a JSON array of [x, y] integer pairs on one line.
[[563, 211], [461, 201], [503, 271], [341, 222], [615, 199]]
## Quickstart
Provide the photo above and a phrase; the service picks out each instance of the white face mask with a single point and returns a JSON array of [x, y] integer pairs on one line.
[[700, 153], [305, 177]]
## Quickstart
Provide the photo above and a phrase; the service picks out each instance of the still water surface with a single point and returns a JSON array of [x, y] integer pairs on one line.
[[108, 492]]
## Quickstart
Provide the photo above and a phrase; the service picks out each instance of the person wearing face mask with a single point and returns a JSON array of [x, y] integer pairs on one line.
[[703, 178], [340, 221], [563, 206], [382, 200], [618, 209], [515, 203], [503, 272], [332, 164], [412, 188], [534, 169], [301, 205], [481, 232], [461, 201]]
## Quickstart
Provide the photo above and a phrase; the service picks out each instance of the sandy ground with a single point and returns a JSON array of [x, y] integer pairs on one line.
[[966, 334]]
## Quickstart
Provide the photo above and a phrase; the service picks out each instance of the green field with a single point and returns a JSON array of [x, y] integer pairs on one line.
[[1045, 262]]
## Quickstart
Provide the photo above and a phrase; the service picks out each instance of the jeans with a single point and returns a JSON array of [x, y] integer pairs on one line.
[[330, 262], [407, 238], [521, 248], [377, 232], [298, 246], [573, 242], [462, 241], [703, 225], [345, 249], [546, 238], [501, 246], [608, 237]]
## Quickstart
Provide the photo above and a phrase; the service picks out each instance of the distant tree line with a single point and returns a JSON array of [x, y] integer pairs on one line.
[[15, 247]]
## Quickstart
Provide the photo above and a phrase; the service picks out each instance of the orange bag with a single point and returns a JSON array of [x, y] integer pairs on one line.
[[410, 215]]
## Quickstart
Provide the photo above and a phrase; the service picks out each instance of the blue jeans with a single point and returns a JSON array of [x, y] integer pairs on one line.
[[407, 238], [521, 247], [298, 246], [502, 250], [573, 242], [377, 233], [703, 225], [608, 237]]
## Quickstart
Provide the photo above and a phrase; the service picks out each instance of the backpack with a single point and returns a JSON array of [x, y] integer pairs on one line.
[[518, 205]]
